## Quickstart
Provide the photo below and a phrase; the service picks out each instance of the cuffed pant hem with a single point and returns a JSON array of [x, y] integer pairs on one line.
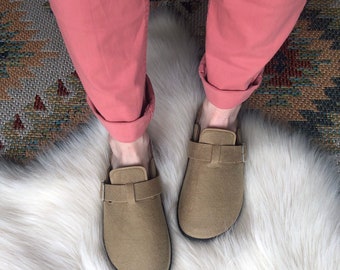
[[130, 131], [226, 98]]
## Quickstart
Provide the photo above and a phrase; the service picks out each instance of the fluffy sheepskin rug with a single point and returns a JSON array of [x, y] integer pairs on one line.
[[51, 212]]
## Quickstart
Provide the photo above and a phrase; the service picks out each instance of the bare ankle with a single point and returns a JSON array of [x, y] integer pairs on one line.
[[133, 153], [218, 118]]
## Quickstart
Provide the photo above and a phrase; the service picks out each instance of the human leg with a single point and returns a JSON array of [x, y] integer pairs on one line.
[[111, 64], [242, 36], [106, 41], [241, 39]]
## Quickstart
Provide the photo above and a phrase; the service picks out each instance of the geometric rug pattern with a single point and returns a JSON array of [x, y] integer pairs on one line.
[[302, 81], [42, 99]]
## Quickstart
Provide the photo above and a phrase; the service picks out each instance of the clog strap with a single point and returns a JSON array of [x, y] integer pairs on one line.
[[131, 192], [216, 153]]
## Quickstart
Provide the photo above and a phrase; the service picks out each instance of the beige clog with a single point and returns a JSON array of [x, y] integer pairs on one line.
[[135, 230], [211, 197]]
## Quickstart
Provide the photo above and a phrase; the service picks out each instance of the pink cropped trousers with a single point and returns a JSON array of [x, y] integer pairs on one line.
[[106, 40]]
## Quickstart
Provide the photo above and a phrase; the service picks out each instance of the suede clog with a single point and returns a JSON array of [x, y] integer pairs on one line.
[[211, 197], [135, 230]]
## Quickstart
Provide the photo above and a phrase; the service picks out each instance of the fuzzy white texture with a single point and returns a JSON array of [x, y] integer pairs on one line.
[[51, 212]]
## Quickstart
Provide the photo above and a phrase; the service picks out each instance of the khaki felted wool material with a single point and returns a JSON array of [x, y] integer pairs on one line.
[[212, 193], [135, 230]]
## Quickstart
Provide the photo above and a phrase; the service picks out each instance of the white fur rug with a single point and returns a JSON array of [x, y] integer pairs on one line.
[[50, 210]]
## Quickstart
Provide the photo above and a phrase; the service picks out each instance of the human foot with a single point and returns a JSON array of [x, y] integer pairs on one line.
[[212, 192], [214, 117], [136, 235], [133, 153]]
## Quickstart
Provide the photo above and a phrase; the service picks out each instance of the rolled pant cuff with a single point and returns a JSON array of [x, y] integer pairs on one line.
[[226, 98], [130, 131]]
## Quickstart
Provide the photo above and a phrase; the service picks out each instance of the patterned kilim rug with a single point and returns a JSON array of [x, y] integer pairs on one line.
[[42, 100]]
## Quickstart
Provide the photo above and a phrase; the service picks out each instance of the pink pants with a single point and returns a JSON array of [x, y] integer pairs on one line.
[[106, 40]]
